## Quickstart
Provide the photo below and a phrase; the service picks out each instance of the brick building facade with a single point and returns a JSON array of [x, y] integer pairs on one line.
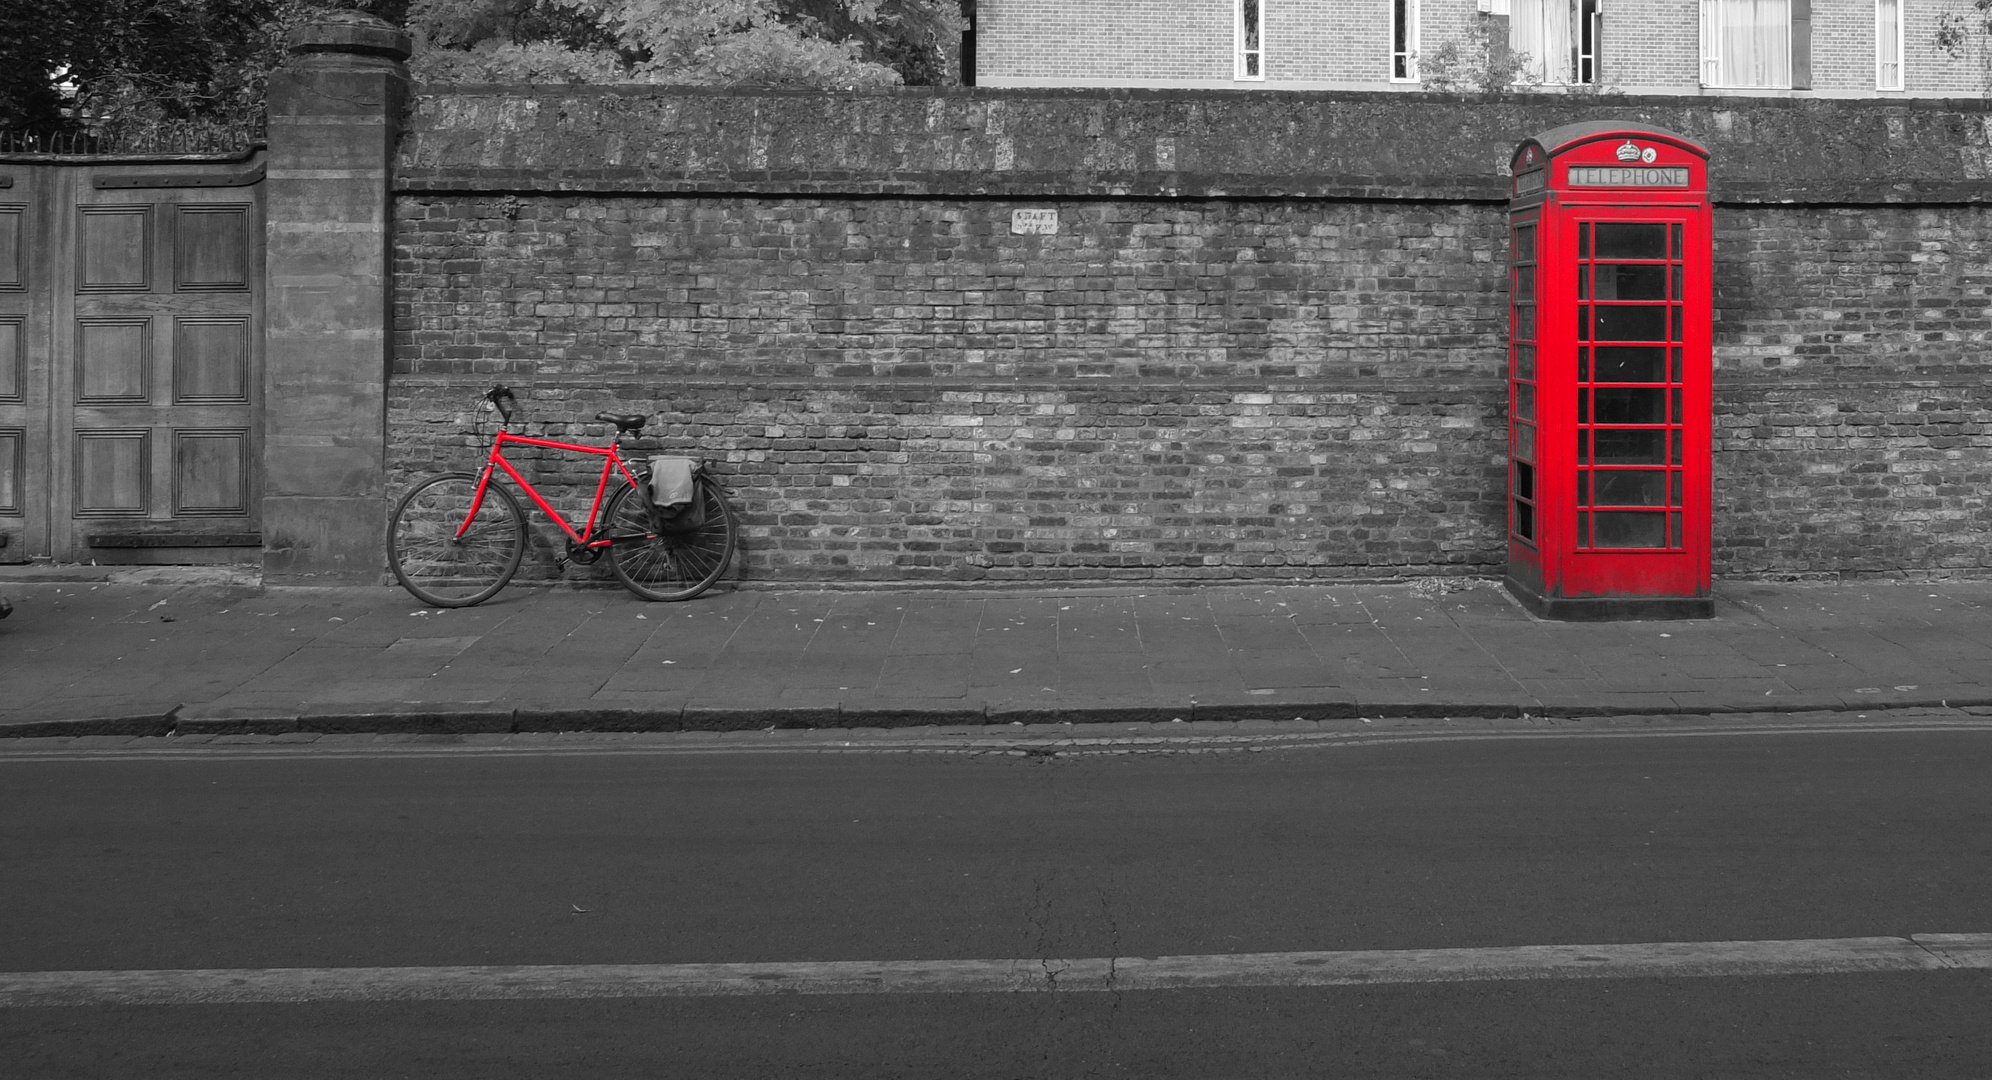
[[1826, 48]]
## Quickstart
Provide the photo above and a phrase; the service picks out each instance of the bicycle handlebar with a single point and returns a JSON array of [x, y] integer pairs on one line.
[[501, 397]]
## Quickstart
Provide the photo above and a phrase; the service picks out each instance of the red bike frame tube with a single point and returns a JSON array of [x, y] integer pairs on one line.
[[497, 459]]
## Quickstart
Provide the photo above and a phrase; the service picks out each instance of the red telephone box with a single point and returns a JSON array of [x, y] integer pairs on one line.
[[1609, 374]]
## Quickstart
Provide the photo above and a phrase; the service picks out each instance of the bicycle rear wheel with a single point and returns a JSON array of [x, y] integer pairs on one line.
[[441, 568], [670, 565]]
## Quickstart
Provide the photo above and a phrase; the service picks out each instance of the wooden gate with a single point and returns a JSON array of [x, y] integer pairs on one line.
[[131, 360]]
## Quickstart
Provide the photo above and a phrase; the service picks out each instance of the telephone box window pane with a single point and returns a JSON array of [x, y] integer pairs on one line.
[[1677, 414], [1631, 281], [1631, 240], [1583, 323], [1633, 323], [1525, 322], [1525, 442], [1632, 363], [1525, 480], [1583, 530], [1584, 240], [1525, 283], [1583, 406], [1677, 366], [1583, 365], [1584, 447], [1674, 489], [1674, 529], [1628, 529], [1676, 459], [1524, 250], [1583, 283], [1525, 401], [1525, 362], [1676, 335], [1630, 405], [1640, 487], [1676, 294], [1674, 252], [1619, 446], [1524, 520]]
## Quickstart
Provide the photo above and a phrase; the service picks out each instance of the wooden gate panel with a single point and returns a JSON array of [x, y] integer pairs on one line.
[[114, 248], [131, 342], [24, 371]]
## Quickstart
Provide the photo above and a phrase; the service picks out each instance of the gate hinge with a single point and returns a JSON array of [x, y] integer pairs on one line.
[[239, 178]]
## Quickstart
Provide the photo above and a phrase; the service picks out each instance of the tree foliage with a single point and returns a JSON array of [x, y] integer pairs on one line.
[[803, 43], [1965, 32], [104, 66], [1474, 63], [119, 66]]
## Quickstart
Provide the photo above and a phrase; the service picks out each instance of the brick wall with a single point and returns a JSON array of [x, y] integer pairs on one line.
[[1853, 419], [1328, 40], [1652, 45], [903, 389], [1929, 71], [1237, 369], [1181, 41]]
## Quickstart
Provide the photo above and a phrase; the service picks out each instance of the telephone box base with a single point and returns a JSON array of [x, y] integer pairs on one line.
[[1611, 608]]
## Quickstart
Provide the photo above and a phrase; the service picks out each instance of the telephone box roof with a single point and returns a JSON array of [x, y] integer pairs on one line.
[[1560, 139]]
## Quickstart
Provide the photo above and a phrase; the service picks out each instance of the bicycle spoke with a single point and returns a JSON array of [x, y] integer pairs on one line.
[[669, 565], [436, 564]]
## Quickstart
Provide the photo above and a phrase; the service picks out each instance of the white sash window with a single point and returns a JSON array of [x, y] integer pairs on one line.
[[1403, 40], [1888, 44], [1560, 39], [1746, 43], [1250, 33]]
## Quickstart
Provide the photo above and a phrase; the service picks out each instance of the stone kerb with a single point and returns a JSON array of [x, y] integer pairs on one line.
[[333, 110]]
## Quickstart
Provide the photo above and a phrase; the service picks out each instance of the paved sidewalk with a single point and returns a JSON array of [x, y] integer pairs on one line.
[[81, 657]]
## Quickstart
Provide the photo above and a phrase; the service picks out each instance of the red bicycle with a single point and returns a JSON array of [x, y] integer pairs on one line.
[[456, 538]]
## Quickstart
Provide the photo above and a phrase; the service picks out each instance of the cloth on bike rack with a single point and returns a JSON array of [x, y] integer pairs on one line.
[[672, 492]]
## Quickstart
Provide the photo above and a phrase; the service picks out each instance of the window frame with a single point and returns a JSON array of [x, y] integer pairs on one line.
[[1239, 52], [1404, 23], [1900, 60]]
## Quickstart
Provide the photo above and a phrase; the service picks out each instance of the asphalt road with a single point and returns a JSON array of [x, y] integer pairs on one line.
[[639, 858]]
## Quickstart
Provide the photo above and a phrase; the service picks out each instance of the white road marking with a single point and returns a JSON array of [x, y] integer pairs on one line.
[[1676, 959]]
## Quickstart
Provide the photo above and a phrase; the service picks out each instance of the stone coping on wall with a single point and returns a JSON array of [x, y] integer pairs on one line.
[[1090, 143]]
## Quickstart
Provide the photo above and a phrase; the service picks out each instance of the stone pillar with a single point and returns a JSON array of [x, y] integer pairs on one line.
[[333, 111]]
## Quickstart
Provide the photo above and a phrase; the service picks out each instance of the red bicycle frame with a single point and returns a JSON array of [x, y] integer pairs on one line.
[[584, 538]]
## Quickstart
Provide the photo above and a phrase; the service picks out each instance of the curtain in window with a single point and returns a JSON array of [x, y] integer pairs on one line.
[[1746, 43], [1541, 28], [1888, 44]]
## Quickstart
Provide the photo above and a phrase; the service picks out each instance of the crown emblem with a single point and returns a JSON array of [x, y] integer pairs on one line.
[[1628, 151]]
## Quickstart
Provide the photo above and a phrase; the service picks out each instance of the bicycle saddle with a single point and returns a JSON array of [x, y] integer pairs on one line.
[[623, 421]]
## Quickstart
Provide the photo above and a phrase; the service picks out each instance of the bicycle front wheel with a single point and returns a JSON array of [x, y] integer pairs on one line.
[[670, 564], [441, 567]]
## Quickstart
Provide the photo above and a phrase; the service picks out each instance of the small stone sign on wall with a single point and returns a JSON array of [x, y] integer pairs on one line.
[[1034, 223]]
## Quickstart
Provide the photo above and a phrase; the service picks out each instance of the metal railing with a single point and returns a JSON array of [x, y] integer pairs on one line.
[[231, 135]]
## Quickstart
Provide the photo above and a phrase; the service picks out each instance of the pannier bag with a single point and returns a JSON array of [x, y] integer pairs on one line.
[[673, 498]]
